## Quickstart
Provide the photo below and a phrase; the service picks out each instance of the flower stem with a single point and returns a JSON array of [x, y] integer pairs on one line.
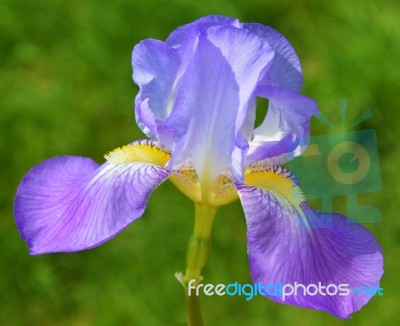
[[198, 252], [193, 310], [199, 244]]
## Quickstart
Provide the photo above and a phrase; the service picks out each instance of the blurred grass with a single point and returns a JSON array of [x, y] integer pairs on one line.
[[65, 88]]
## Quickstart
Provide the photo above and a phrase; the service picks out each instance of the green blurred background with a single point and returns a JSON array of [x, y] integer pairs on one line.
[[65, 88]]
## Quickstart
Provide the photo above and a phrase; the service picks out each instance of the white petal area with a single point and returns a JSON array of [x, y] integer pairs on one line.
[[285, 131]]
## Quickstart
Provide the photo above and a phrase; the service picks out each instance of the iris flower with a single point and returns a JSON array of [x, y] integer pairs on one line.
[[197, 104]]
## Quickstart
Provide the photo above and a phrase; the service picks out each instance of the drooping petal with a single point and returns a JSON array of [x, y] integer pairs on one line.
[[285, 70], [216, 90], [289, 242], [70, 203], [285, 131]]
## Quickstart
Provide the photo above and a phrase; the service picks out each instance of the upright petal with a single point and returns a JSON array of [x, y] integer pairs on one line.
[[285, 70], [285, 131], [250, 57], [155, 71], [205, 114], [216, 91], [183, 83], [69, 203], [158, 68], [180, 35], [288, 242]]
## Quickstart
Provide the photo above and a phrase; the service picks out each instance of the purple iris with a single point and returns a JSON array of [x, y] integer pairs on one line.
[[197, 103]]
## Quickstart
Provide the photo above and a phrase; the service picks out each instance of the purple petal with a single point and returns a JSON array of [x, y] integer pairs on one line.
[[205, 115], [203, 80], [285, 70], [180, 35], [155, 71], [285, 131], [215, 94], [146, 119], [69, 203], [158, 68], [289, 242], [249, 56]]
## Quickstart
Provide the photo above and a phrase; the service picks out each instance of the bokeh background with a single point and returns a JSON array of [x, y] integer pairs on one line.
[[65, 88]]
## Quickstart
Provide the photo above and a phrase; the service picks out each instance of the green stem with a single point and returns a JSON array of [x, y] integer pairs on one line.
[[198, 252], [193, 310], [199, 245]]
